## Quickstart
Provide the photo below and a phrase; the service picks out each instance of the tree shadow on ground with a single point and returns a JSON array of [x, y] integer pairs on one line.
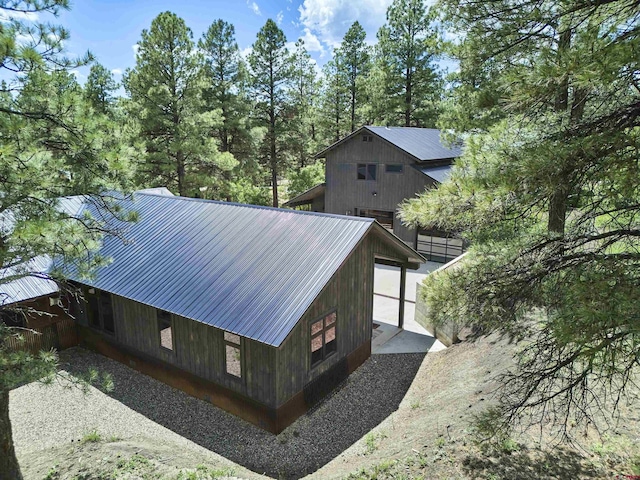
[[532, 464], [366, 398]]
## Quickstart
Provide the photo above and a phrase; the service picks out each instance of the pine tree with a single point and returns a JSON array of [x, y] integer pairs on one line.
[[225, 76], [408, 46], [53, 144], [166, 90], [547, 193], [356, 63], [303, 95], [334, 101], [99, 88], [271, 74]]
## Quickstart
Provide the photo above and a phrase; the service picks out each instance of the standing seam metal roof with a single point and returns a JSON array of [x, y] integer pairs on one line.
[[439, 174], [422, 143], [252, 271]]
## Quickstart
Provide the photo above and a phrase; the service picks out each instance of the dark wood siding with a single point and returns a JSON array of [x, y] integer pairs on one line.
[[199, 349], [345, 193], [350, 293]]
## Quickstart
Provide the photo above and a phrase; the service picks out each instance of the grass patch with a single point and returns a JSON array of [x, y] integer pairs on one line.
[[203, 472], [52, 474], [378, 472], [371, 441], [91, 436]]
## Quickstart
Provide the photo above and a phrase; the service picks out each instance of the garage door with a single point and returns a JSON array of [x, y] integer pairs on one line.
[[438, 247]]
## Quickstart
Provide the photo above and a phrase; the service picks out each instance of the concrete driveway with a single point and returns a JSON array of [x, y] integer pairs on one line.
[[388, 338]]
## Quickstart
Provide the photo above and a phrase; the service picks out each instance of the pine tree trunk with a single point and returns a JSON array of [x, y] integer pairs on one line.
[[9, 468]]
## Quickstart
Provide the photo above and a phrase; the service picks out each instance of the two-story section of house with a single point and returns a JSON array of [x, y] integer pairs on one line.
[[370, 172]]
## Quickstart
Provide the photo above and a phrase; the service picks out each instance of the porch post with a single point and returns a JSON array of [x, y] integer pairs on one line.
[[403, 284]]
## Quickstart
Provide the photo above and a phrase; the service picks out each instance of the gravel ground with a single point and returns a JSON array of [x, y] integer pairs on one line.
[[140, 406]]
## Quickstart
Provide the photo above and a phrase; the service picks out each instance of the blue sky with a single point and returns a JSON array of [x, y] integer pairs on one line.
[[111, 28]]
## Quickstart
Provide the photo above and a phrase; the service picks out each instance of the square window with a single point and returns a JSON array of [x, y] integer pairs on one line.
[[367, 171]]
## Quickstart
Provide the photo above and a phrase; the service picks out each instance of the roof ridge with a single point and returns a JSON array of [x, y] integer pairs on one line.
[[259, 207]]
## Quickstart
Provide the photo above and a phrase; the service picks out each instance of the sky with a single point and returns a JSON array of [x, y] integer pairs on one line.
[[110, 29]]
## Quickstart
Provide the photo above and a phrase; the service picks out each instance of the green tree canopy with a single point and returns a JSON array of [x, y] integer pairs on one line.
[[54, 144], [166, 89], [408, 50], [356, 62], [271, 74], [547, 192]]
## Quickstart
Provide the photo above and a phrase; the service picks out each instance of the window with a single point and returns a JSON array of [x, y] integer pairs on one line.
[[384, 218], [393, 168], [164, 327], [233, 358], [367, 171], [323, 339], [100, 310], [367, 138], [106, 310]]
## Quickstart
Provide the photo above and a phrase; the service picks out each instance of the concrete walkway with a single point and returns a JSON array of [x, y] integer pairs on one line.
[[388, 338]]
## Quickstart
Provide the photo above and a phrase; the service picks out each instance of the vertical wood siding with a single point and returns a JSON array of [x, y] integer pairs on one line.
[[198, 349], [350, 292], [345, 192]]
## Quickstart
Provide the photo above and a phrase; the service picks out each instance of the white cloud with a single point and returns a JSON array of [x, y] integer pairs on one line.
[[245, 52], [254, 7], [312, 43], [117, 71], [135, 48], [7, 16], [79, 75], [329, 20], [279, 17]]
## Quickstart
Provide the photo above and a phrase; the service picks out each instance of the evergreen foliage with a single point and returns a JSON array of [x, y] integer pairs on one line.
[[548, 194]]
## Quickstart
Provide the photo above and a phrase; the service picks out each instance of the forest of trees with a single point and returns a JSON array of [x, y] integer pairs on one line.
[[207, 122]]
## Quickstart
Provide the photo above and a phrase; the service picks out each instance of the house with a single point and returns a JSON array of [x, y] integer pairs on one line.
[[258, 310], [374, 169]]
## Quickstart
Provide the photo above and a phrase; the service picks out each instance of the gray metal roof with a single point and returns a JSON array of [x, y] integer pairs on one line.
[[439, 174], [26, 281], [249, 270], [422, 143], [307, 196], [31, 279]]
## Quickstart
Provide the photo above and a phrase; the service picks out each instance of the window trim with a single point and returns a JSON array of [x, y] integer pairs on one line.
[[239, 346], [367, 177], [322, 333], [160, 329]]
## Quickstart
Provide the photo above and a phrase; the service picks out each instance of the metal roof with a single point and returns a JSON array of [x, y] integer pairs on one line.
[[439, 174], [249, 270], [307, 196], [422, 143], [31, 281]]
